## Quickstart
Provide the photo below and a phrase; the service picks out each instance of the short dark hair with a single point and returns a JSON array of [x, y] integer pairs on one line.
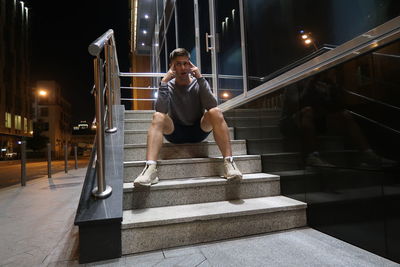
[[179, 52]]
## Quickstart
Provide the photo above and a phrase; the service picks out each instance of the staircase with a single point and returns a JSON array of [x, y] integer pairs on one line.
[[192, 203]]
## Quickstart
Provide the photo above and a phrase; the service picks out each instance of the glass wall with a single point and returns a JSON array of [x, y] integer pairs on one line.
[[334, 139], [274, 37], [229, 51], [186, 36]]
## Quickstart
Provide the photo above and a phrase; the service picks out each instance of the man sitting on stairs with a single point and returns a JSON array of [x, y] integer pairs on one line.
[[186, 112]]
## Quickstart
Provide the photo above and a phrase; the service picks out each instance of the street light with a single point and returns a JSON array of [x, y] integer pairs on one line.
[[38, 93], [307, 39]]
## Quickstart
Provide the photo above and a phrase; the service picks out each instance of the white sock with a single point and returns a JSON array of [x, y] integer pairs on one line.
[[151, 162], [230, 158]]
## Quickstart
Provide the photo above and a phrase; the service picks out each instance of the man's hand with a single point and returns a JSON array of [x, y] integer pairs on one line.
[[169, 75], [195, 70]]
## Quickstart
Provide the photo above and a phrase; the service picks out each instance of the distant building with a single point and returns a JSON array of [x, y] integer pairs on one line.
[[83, 137], [15, 97], [53, 115]]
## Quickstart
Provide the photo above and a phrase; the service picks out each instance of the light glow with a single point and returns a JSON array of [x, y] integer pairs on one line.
[[42, 92], [308, 41], [304, 36], [225, 95]]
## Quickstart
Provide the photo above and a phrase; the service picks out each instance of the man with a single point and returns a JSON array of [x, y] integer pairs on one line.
[[186, 112]]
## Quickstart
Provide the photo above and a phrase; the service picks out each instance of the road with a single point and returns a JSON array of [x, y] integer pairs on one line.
[[10, 172]]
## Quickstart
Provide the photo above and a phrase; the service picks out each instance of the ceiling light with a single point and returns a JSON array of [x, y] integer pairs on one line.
[[142, 44], [144, 32], [146, 16]]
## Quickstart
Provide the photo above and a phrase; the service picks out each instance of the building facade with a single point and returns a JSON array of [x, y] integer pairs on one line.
[[53, 115], [255, 53], [15, 92]]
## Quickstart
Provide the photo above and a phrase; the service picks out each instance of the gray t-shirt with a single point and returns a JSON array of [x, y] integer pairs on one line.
[[185, 104]]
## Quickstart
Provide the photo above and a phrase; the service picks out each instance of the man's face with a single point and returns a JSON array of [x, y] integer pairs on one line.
[[182, 66]]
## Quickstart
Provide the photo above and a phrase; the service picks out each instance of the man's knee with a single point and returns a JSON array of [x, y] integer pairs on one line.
[[158, 118], [216, 113]]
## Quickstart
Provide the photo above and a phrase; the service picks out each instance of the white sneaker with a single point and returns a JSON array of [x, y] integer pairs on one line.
[[313, 159], [371, 159], [148, 176], [231, 171]]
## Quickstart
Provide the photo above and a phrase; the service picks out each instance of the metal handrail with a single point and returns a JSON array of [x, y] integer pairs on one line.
[[106, 77]]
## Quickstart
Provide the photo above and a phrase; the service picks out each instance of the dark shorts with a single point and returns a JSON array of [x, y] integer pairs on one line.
[[187, 134]]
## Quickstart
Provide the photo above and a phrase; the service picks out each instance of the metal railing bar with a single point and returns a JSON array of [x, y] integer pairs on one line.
[[96, 47], [374, 122], [386, 55], [138, 74], [138, 99], [373, 100], [139, 88]]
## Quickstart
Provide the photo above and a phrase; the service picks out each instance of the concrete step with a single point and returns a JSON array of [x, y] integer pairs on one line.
[[140, 136], [137, 124], [252, 112], [194, 167], [139, 114], [252, 121], [195, 223], [179, 151], [282, 161], [199, 190], [257, 132], [286, 161]]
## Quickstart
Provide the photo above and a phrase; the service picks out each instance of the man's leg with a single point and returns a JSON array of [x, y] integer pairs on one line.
[[214, 120], [161, 124]]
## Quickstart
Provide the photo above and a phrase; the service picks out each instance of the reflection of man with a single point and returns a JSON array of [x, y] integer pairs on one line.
[[315, 105], [186, 112]]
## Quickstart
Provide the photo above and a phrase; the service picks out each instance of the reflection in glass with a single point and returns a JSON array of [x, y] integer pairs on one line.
[[185, 11], [273, 28], [333, 139], [230, 74]]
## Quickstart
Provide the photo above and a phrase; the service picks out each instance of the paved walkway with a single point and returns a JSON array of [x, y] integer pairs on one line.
[[36, 229]]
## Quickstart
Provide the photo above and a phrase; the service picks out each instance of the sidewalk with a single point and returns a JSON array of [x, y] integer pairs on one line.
[[37, 230]]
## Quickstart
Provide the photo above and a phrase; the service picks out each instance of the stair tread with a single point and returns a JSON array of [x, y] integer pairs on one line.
[[145, 131], [293, 172], [207, 211], [140, 111], [198, 181], [202, 143], [190, 160]]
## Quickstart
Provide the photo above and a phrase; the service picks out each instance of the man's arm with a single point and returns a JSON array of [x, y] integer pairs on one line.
[[162, 102], [206, 97]]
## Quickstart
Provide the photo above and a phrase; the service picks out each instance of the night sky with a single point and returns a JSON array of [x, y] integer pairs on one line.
[[60, 34]]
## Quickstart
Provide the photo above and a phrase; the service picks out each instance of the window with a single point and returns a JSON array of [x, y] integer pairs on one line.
[[45, 126], [25, 125], [8, 120], [18, 122], [44, 112]]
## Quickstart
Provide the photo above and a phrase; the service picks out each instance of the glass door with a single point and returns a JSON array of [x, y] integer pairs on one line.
[[219, 46]]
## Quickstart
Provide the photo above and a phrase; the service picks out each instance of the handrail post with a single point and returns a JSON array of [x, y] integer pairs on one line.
[[102, 190], [110, 88], [115, 74]]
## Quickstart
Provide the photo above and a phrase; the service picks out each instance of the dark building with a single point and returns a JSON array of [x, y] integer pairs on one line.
[[15, 91]]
